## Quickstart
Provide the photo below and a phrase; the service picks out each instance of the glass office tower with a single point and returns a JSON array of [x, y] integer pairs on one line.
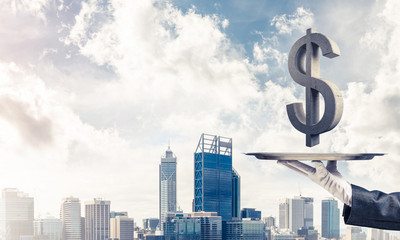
[[330, 219], [235, 194], [308, 211], [213, 176], [167, 184]]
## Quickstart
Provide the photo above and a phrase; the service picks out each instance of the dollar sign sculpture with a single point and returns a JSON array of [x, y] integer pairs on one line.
[[306, 50]]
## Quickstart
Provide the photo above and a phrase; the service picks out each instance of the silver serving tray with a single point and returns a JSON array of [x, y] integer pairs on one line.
[[314, 156]]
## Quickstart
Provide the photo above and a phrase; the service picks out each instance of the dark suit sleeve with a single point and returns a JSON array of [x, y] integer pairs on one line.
[[373, 209]]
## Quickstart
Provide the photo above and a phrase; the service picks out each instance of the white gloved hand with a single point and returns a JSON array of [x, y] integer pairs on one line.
[[329, 178]]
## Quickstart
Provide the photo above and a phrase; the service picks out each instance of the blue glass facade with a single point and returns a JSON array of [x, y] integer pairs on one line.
[[213, 176], [235, 194], [251, 213], [330, 219]]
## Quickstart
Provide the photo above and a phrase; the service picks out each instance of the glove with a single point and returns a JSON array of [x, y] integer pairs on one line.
[[329, 178]]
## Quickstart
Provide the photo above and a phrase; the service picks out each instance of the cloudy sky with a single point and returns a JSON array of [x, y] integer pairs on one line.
[[92, 91]]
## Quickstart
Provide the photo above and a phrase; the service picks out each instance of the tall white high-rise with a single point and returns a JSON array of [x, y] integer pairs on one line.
[[121, 227], [16, 214], [97, 219], [167, 184], [49, 228], [284, 214], [296, 213], [70, 215]]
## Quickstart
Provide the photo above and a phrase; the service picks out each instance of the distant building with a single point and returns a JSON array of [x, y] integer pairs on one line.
[[245, 229], [283, 236], [70, 215], [82, 228], [295, 213], [49, 228], [150, 224], [139, 234], [114, 214], [213, 176], [308, 233], [122, 228], [284, 214], [16, 214], [250, 213], [235, 194], [154, 237], [167, 184], [97, 219], [375, 234], [308, 211], [355, 233], [193, 226], [330, 218], [269, 222]]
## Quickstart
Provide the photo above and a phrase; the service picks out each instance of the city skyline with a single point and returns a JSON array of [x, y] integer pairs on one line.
[[91, 91], [298, 210]]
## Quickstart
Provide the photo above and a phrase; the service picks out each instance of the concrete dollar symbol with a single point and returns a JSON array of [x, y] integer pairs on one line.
[[306, 50]]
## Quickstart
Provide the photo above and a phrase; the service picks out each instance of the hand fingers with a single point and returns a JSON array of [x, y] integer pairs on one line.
[[303, 167], [286, 163], [318, 164], [332, 168]]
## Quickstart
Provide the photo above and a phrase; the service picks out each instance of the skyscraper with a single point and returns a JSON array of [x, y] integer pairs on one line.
[[70, 215], [235, 194], [167, 178], [121, 228], [308, 211], [49, 228], [296, 214], [284, 214], [16, 214], [97, 219], [213, 176], [330, 219]]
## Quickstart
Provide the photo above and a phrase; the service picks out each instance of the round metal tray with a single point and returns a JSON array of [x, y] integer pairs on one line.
[[314, 156]]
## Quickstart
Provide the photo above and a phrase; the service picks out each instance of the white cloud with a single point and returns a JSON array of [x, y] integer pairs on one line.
[[173, 75], [34, 8], [143, 72], [300, 20], [370, 120]]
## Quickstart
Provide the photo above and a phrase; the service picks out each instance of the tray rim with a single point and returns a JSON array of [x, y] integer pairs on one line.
[[293, 156]]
